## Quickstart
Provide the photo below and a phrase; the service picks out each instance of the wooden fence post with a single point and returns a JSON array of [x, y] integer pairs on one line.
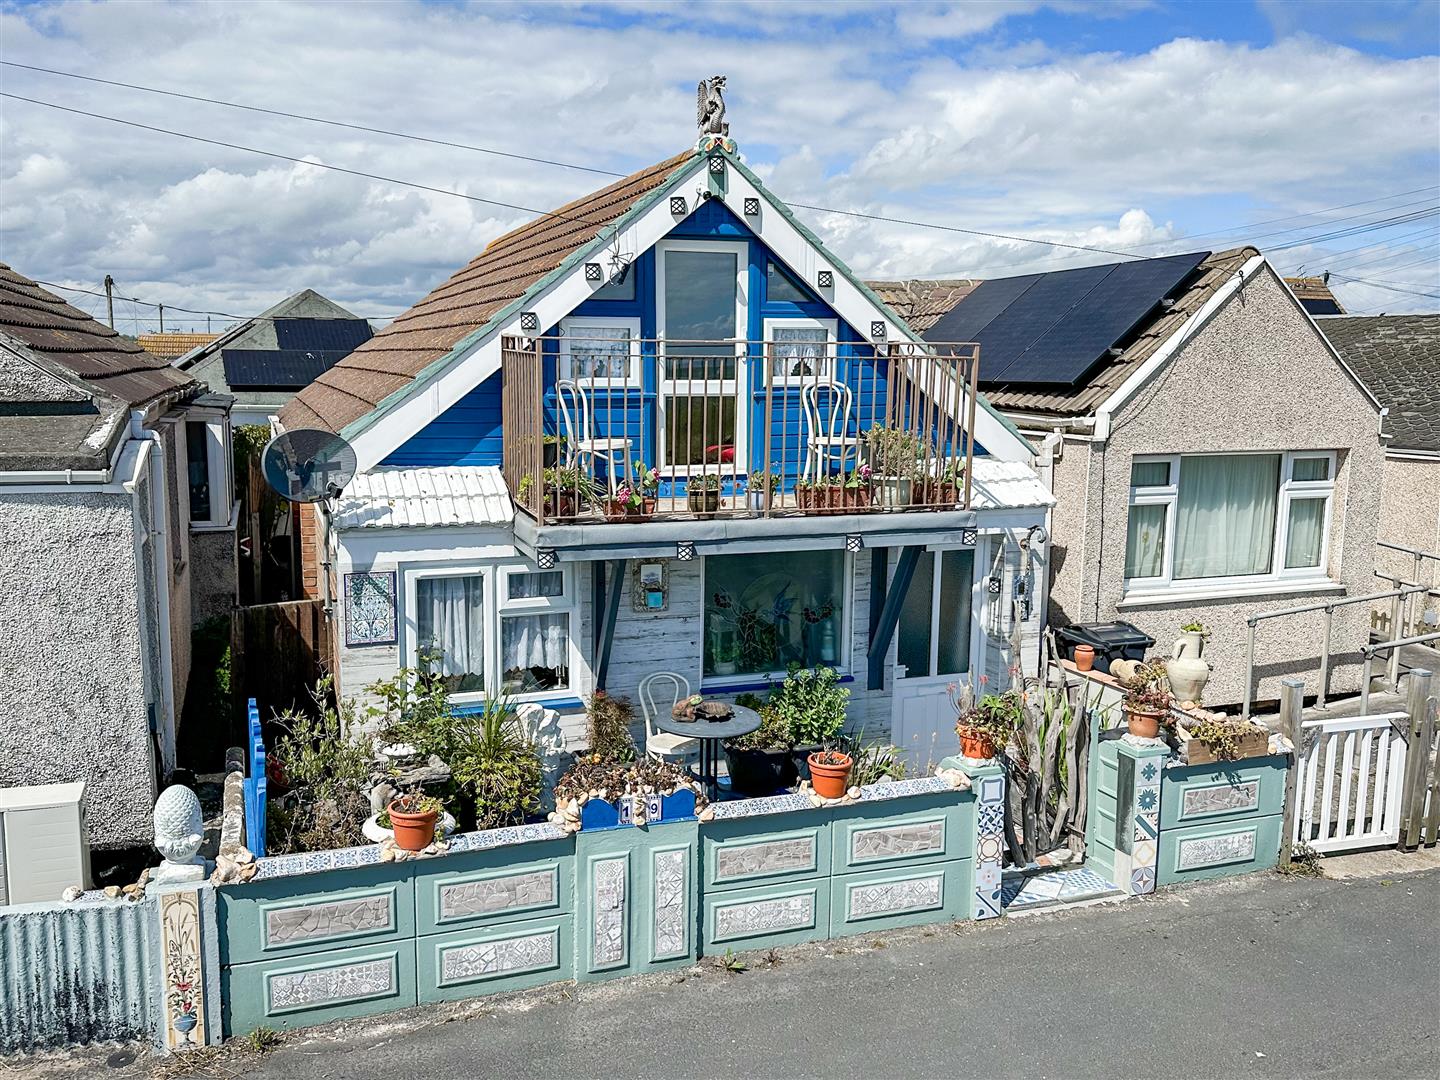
[[1292, 698], [1419, 732]]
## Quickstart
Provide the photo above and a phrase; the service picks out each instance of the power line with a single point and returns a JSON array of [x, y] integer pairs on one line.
[[1357, 230], [195, 311], [1388, 288]]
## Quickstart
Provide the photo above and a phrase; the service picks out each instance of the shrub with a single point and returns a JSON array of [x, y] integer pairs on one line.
[[812, 704], [772, 734], [495, 761], [325, 777], [608, 722]]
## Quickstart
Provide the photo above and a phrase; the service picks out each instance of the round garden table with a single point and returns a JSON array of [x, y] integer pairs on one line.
[[710, 734]]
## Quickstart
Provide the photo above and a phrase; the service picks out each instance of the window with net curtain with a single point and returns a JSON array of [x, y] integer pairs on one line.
[[534, 647], [764, 612], [799, 352], [597, 352], [450, 625]]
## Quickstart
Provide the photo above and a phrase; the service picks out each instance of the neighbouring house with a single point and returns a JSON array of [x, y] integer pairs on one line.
[[1398, 358], [117, 533], [683, 324], [1314, 295], [172, 345], [1211, 456], [265, 361]]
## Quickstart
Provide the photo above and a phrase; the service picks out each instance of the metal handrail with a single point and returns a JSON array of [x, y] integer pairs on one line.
[[1328, 607], [1410, 616], [1369, 650]]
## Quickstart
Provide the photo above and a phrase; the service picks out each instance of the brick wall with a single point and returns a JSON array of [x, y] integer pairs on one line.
[[310, 554]]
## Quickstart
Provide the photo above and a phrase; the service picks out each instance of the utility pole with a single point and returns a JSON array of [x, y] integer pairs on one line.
[[162, 317], [110, 300], [207, 324]]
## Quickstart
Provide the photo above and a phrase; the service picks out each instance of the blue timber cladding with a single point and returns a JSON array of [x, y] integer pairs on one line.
[[469, 432]]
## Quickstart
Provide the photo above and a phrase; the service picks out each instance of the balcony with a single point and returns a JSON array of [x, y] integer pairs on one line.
[[625, 430]]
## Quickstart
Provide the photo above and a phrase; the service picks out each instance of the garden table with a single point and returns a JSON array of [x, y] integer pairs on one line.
[[710, 733]]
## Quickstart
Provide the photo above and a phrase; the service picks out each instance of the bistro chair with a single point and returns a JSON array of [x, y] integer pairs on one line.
[[660, 744], [580, 439], [827, 419]]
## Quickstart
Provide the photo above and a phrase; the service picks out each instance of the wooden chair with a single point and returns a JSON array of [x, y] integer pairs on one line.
[[580, 439], [660, 744], [827, 431]]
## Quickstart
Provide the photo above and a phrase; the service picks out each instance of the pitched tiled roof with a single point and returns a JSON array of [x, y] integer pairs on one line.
[[169, 346], [1081, 399], [1314, 295], [496, 277], [98, 355], [1398, 358], [920, 302]]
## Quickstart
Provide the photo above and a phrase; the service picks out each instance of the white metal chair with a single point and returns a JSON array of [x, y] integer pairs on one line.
[[580, 439], [827, 432], [660, 744]]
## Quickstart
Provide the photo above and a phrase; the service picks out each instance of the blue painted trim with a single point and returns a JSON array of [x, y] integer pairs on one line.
[[558, 703], [742, 687]]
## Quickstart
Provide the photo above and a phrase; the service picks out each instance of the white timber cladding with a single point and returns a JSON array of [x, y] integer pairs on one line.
[[672, 640], [478, 357]]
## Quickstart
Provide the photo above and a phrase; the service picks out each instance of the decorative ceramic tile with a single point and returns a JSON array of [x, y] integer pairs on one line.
[[315, 922], [1214, 850], [1219, 799], [895, 841], [1021, 893], [489, 895], [1142, 880], [796, 853], [770, 804], [326, 986], [370, 608], [774, 915], [989, 846], [502, 956], [899, 789], [184, 996], [671, 904], [894, 897], [608, 914], [314, 862]]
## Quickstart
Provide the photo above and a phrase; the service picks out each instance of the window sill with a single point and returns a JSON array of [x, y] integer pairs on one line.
[[1226, 592], [560, 702], [726, 684]]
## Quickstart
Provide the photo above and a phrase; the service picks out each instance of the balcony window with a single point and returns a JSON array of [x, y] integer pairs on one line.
[[600, 351], [765, 612], [801, 350]]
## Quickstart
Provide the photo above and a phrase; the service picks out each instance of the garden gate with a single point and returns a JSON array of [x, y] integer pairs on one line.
[[1351, 781]]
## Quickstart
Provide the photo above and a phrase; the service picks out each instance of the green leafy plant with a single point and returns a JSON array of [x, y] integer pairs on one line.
[[414, 802], [704, 482], [262, 1040], [733, 964], [772, 734], [608, 721], [1196, 627], [812, 705], [875, 762], [1221, 732], [496, 762], [647, 478], [1305, 861], [322, 776], [892, 451], [997, 715]]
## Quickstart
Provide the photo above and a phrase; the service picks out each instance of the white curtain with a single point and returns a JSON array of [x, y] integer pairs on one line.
[[799, 350], [1145, 541], [599, 352], [451, 620], [534, 641], [1307, 533], [1225, 516]]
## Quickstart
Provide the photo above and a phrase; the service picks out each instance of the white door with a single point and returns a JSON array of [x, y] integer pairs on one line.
[[935, 647], [1351, 780]]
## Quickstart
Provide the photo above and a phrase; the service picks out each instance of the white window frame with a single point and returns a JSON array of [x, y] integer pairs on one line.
[[223, 503], [978, 597], [737, 389], [826, 372], [1169, 496], [843, 661], [573, 323], [495, 590]]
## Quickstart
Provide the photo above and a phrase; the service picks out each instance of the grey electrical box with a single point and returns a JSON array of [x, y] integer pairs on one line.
[[44, 848]]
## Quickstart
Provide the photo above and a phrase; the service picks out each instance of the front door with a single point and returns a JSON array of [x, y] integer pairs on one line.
[[702, 316], [935, 644]]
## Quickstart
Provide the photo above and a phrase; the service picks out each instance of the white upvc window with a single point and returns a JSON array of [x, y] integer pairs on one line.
[[600, 351], [495, 628], [208, 469], [1207, 520], [801, 351]]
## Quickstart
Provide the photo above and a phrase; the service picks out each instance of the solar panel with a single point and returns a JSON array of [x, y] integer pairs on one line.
[[279, 368], [1032, 314], [966, 319], [1081, 335], [346, 334]]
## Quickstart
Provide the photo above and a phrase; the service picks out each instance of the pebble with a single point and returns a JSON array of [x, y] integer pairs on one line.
[[112, 891], [73, 893]]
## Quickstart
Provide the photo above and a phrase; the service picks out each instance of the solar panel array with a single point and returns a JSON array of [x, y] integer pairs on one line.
[[1055, 328], [278, 369], [326, 334]]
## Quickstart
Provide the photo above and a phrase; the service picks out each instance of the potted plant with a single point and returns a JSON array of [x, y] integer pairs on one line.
[[893, 456], [985, 727], [830, 772], [702, 494], [812, 703], [805, 494], [858, 489], [626, 504], [412, 818], [943, 489], [550, 447], [566, 490], [1146, 702], [765, 489], [761, 763], [647, 481], [834, 494]]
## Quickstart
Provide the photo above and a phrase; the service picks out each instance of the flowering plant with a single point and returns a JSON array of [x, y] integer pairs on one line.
[[628, 497], [859, 477], [647, 477]]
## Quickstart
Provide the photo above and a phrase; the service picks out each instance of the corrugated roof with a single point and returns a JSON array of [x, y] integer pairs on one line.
[[1398, 358], [169, 346], [97, 354], [1002, 485], [420, 498], [496, 277]]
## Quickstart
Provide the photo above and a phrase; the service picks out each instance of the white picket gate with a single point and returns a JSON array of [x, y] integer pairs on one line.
[[1351, 781]]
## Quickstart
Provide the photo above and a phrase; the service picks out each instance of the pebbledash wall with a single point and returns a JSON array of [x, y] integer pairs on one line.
[[1224, 392], [339, 934]]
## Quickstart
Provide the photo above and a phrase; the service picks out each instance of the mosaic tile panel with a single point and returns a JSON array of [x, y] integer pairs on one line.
[[370, 608], [894, 897], [774, 915], [503, 956], [1204, 851], [489, 895], [1219, 799], [790, 855], [896, 841], [314, 862], [672, 909], [317, 922], [1145, 829], [989, 846], [608, 912], [184, 990], [1027, 892], [346, 982]]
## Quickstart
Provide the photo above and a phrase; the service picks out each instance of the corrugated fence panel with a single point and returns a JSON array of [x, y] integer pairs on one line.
[[77, 973]]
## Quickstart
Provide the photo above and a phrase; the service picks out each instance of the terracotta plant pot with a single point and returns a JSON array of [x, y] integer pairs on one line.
[[562, 504], [650, 503], [1143, 725], [976, 744], [413, 832], [857, 499], [1084, 657], [829, 781]]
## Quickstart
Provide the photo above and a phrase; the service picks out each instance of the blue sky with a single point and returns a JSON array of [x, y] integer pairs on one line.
[[1147, 127]]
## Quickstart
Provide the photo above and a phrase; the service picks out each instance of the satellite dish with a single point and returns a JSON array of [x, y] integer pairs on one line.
[[306, 466]]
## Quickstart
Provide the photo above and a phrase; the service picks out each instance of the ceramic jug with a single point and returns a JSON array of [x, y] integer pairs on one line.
[[1186, 668]]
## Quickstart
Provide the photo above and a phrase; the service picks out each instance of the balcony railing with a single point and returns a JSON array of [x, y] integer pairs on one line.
[[616, 429]]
